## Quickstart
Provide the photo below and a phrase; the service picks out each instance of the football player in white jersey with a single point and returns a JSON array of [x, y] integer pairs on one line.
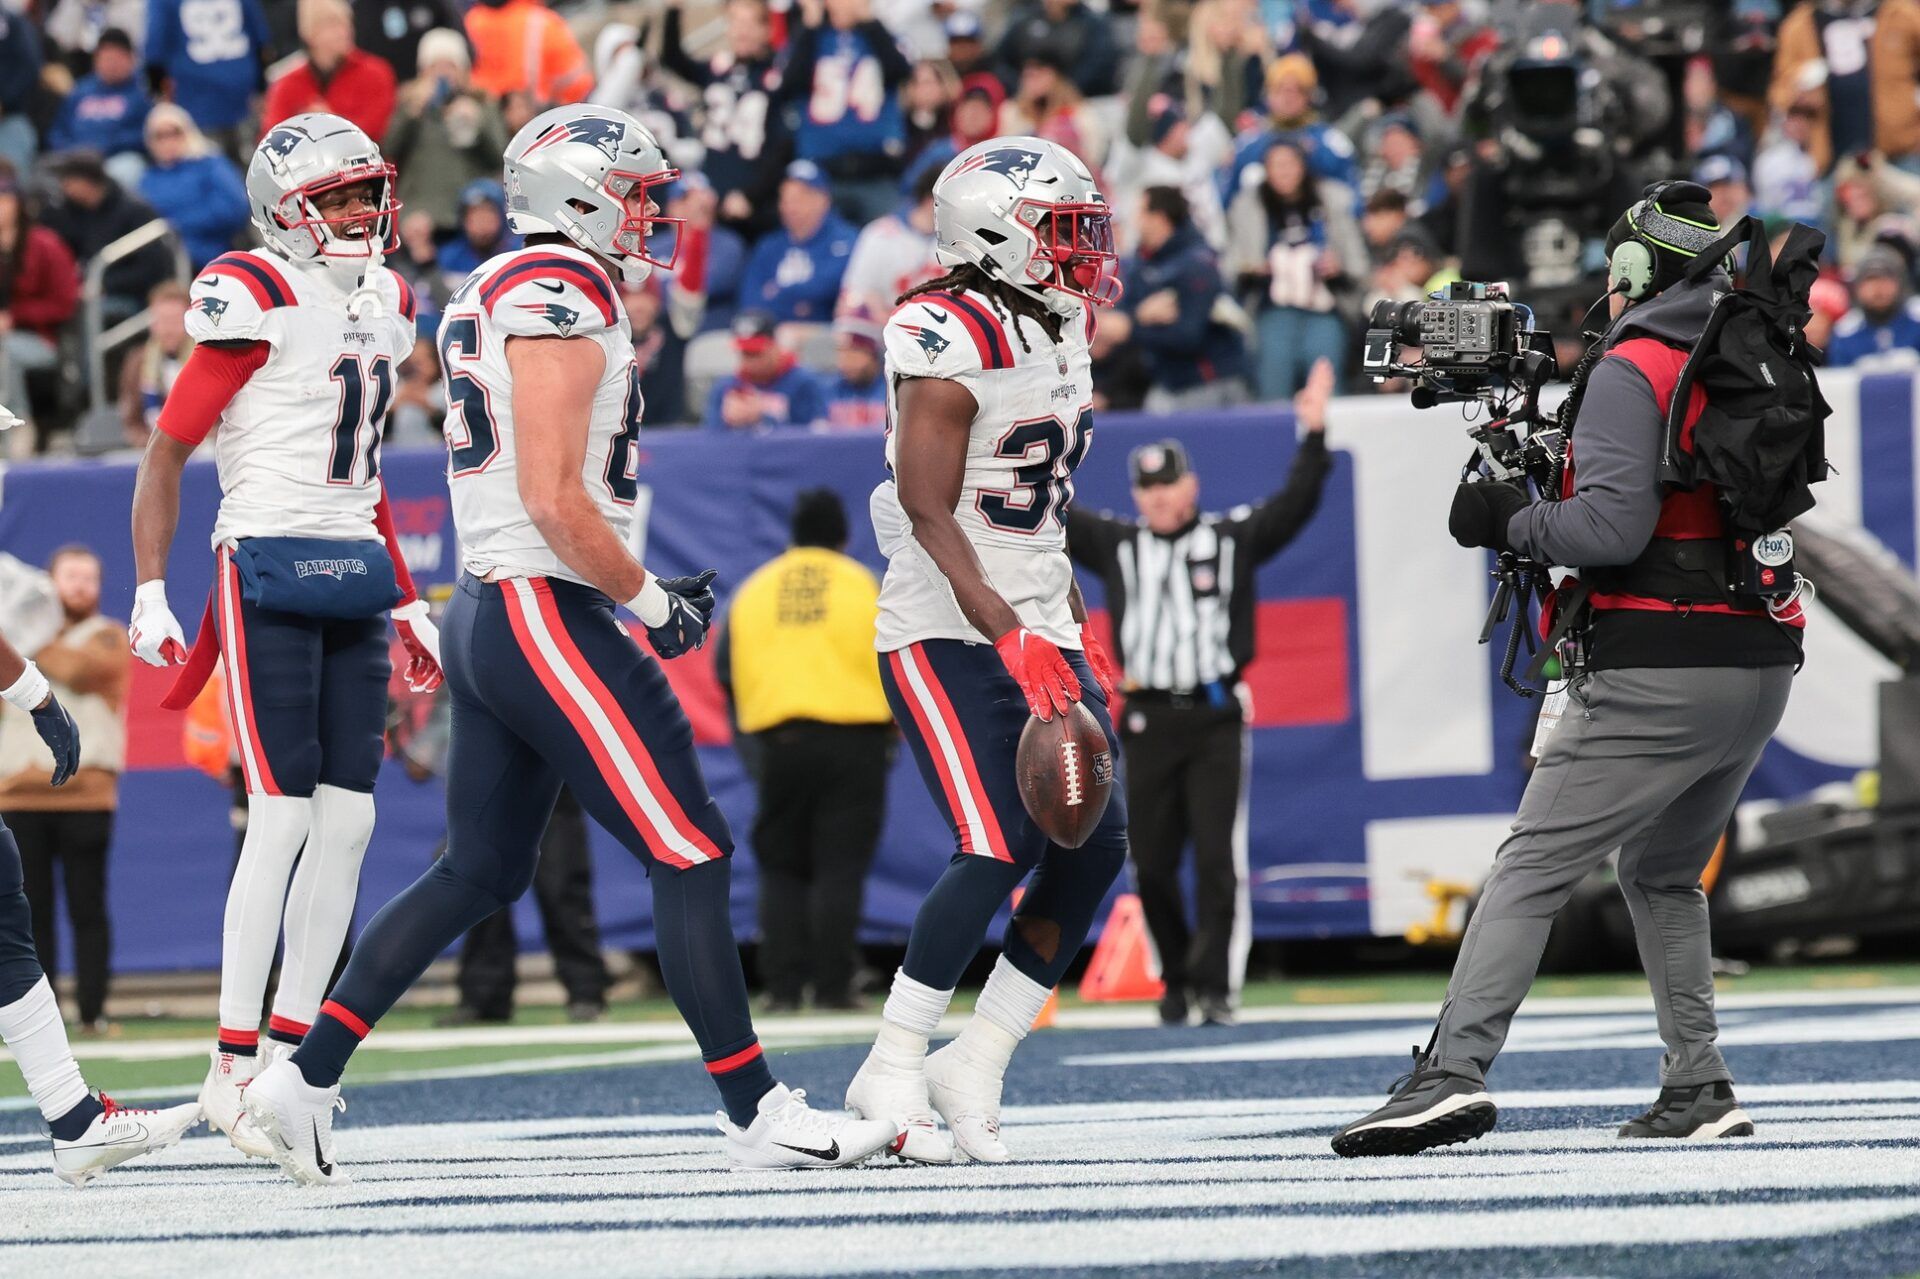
[[298, 347], [548, 687], [990, 404]]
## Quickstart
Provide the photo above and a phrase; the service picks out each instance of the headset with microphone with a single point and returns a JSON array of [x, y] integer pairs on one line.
[[1633, 266]]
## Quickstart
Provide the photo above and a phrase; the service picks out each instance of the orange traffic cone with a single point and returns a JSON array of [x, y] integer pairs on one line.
[[1051, 1009], [1121, 968]]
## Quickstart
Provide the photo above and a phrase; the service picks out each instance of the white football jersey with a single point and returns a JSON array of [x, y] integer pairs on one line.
[[298, 448], [1033, 428], [544, 291]]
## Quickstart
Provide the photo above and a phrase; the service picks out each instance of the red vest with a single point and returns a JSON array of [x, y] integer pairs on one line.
[[1685, 514]]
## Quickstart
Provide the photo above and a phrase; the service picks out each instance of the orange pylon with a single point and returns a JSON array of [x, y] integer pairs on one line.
[[1121, 968]]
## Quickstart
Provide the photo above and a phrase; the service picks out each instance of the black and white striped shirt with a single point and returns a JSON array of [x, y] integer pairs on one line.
[[1183, 603]]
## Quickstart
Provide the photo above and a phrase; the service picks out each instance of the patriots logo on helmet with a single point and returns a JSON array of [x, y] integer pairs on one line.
[[560, 317], [1012, 163], [930, 342], [211, 307], [593, 130], [281, 142]]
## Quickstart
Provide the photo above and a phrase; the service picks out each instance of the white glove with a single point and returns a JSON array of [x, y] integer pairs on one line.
[[421, 638], [155, 631]]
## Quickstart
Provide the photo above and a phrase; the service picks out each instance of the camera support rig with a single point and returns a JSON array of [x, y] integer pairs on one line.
[[1478, 347]]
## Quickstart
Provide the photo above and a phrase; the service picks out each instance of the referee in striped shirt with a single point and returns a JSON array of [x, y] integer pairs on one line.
[[1179, 586]]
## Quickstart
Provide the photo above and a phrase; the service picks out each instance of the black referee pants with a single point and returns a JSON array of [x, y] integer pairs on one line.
[[563, 891], [78, 843], [823, 797], [1184, 774]]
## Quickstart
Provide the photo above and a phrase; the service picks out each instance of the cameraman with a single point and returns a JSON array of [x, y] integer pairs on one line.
[[1682, 684]]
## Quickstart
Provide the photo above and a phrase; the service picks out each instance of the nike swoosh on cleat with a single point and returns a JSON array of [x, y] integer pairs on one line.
[[551, 288], [830, 1154], [320, 1160]]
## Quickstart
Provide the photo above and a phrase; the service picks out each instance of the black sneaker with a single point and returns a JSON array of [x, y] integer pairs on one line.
[[1216, 1011], [1696, 1112], [1173, 1007], [1429, 1108]]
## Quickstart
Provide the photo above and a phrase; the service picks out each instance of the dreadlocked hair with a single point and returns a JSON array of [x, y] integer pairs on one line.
[[1008, 301]]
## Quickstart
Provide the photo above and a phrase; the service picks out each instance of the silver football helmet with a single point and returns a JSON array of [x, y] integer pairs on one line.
[[301, 159], [1027, 211], [572, 170]]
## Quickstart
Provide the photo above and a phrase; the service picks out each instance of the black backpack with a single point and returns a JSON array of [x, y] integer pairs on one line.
[[1761, 440]]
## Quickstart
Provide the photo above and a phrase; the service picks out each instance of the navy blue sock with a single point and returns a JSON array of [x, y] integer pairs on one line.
[[73, 1125], [700, 963], [953, 919]]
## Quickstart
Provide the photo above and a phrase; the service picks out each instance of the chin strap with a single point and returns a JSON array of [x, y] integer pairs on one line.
[[365, 302]]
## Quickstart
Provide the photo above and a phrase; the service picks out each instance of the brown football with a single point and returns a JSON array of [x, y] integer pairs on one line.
[[1066, 774]]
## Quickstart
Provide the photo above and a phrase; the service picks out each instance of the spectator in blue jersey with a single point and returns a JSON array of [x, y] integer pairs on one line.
[[19, 76], [746, 136], [210, 54], [1173, 293], [856, 398], [483, 231], [107, 111], [770, 388], [1082, 40], [842, 79], [195, 188], [1292, 84], [794, 273], [1883, 329]]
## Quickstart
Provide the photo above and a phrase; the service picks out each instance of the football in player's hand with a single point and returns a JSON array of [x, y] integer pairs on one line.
[[1066, 774]]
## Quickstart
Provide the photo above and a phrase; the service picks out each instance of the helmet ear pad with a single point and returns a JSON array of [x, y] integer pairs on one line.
[[1631, 265]]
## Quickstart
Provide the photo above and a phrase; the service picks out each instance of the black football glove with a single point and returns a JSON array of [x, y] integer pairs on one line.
[[697, 591], [685, 628], [62, 736], [1482, 510]]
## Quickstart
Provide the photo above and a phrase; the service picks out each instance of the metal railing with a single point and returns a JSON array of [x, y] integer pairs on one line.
[[99, 429]]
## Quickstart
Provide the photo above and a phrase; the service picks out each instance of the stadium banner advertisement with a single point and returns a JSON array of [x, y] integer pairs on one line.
[[1385, 753]]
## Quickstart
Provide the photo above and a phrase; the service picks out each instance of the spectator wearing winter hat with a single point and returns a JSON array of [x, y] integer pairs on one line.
[[1078, 38], [740, 83], [193, 186], [1181, 154], [1173, 295], [1292, 84], [1395, 160], [1882, 330], [483, 231], [856, 397], [770, 389], [893, 254], [975, 118], [336, 75], [107, 110], [794, 272], [445, 134], [1726, 179], [844, 72]]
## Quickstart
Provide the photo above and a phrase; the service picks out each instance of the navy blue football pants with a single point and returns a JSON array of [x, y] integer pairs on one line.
[[548, 687], [19, 963], [308, 695], [962, 714]]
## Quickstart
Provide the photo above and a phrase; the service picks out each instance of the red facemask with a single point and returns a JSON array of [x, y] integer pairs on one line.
[[383, 228], [635, 238], [1075, 250]]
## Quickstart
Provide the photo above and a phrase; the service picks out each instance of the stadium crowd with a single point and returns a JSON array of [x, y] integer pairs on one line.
[[1276, 167]]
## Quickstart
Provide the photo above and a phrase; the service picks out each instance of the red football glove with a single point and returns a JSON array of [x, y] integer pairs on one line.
[[1044, 677], [1098, 659], [421, 638]]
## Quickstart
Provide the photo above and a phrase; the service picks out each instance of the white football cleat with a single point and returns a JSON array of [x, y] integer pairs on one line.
[[220, 1099], [883, 1091], [297, 1120], [966, 1094], [117, 1134], [788, 1133]]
